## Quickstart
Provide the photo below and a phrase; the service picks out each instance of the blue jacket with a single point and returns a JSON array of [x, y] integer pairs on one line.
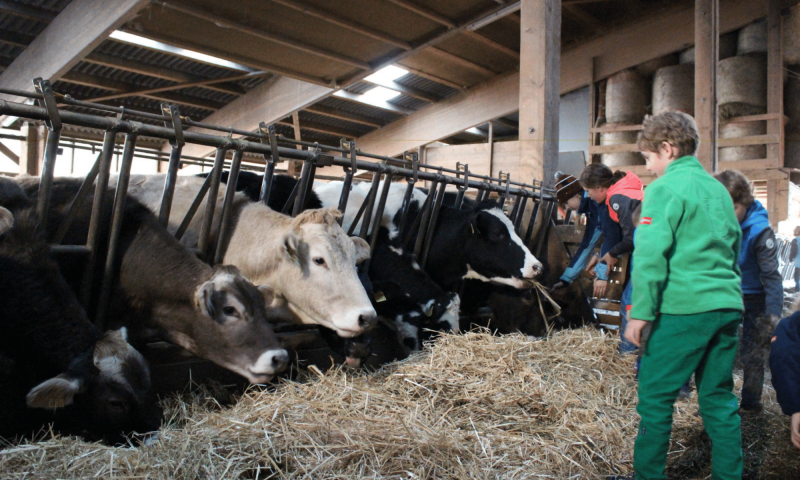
[[784, 363], [597, 222], [758, 259]]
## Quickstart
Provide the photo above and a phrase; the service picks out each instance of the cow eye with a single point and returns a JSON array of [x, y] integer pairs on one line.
[[229, 311], [116, 405], [319, 261]]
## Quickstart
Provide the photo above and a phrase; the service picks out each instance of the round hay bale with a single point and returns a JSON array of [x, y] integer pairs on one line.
[[618, 138], [673, 89], [752, 38], [650, 67], [727, 48], [627, 96], [742, 86], [738, 130], [791, 36]]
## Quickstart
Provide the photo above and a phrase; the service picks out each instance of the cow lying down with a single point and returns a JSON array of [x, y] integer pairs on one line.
[[309, 261], [164, 291], [55, 366]]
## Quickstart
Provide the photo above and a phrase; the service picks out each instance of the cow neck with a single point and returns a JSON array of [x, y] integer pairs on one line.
[[263, 230]]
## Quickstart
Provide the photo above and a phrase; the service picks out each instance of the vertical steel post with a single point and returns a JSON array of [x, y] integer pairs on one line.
[[301, 187], [532, 222], [198, 199], [271, 161], [74, 207], [425, 219], [520, 214], [409, 194], [227, 207], [545, 228], [462, 189], [376, 222], [174, 162], [211, 203], [53, 123], [348, 179], [116, 229], [437, 207], [370, 203]]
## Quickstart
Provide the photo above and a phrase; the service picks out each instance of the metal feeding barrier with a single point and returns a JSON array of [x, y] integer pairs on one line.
[[120, 121]]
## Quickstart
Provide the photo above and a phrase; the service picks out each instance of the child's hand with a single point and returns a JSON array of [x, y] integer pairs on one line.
[[592, 262], [610, 261], [633, 332], [600, 287]]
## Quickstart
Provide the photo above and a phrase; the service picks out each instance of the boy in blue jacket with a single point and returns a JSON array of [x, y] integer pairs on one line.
[[784, 363], [762, 285]]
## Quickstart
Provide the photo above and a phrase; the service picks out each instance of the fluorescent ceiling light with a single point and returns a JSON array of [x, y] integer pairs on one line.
[[387, 74], [380, 93], [155, 45]]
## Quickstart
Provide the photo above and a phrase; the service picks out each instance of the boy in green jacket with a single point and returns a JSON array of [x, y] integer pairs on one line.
[[687, 283]]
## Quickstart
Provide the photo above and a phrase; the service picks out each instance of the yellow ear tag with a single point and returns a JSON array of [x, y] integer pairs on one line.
[[379, 297], [473, 228]]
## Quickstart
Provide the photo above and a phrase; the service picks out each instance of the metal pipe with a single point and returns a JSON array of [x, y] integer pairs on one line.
[[270, 162], [227, 208], [93, 236], [74, 207], [356, 219], [169, 185], [520, 215], [370, 204], [532, 222], [423, 225], [46, 180], [437, 207], [109, 273], [515, 209], [545, 229], [302, 186], [211, 203], [198, 199], [309, 186], [290, 200], [373, 241], [348, 181], [405, 207]]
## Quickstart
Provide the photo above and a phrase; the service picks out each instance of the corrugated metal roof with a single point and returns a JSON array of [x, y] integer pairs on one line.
[[411, 80], [406, 101], [360, 108], [15, 23], [357, 128], [161, 59], [360, 87]]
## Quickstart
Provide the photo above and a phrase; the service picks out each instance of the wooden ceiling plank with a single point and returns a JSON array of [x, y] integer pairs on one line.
[[355, 97], [425, 12], [17, 39], [21, 10], [87, 80], [178, 86], [434, 78], [185, 100], [462, 61], [506, 123], [584, 16], [491, 43], [344, 115], [265, 35], [75, 33], [410, 91], [322, 128], [335, 19], [233, 57]]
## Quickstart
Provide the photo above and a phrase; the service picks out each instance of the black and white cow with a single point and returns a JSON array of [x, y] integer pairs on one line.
[[162, 290], [55, 365], [478, 244]]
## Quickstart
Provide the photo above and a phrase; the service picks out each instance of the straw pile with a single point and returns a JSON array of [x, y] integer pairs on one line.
[[471, 406]]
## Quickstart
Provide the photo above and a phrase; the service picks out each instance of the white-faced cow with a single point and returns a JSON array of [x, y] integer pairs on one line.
[[55, 365], [309, 261], [479, 244], [163, 290]]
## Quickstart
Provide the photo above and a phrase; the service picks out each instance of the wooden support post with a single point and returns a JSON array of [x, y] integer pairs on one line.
[[775, 80], [539, 89], [292, 169], [32, 151], [706, 37]]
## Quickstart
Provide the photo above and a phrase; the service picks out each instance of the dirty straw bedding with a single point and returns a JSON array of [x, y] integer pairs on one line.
[[470, 406]]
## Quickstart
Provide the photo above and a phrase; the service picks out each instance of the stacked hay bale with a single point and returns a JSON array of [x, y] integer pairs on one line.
[[673, 89], [742, 90], [627, 99], [727, 48], [791, 92]]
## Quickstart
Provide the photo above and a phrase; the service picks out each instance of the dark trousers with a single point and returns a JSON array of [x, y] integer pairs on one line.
[[754, 349]]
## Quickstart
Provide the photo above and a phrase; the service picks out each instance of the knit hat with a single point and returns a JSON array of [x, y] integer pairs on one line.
[[567, 187]]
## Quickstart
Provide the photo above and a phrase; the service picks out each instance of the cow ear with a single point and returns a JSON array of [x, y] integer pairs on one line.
[[58, 392], [291, 245], [362, 249], [203, 298], [269, 295], [6, 220], [114, 343]]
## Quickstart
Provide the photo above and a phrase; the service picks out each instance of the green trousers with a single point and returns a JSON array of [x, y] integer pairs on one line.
[[679, 345]]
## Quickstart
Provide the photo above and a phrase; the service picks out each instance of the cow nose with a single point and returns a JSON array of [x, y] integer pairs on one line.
[[280, 360], [537, 270], [366, 321]]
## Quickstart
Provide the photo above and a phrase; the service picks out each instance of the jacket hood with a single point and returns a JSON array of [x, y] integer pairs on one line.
[[755, 214], [630, 186]]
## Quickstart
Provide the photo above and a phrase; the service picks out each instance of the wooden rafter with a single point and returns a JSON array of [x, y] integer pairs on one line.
[[16, 39], [462, 61], [355, 97], [410, 91], [491, 43], [434, 78], [264, 35], [21, 10], [178, 86], [322, 128], [425, 12], [344, 115], [583, 16]]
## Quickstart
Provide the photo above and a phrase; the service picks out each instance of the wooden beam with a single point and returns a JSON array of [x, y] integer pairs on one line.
[[320, 127], [178, 86], [336, 19], [9, 153], [22, 10], [705, 80], [410, 91], [425, 12], [491, 43], [222, 22], [775, 80], [506, 123], [77, 30], [433, 78], [344, 115], [540, 66], [355, 97], [447, 56], [269, 102]]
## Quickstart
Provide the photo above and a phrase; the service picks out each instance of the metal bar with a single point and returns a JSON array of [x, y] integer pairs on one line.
[[309, 186], [227, 208], [437, 207], [187, 219], [174, 163], [545, 229], [417, 221], [74, 207], [370, 201], [409, 191], [348, 180], [532, 222], [520, 215], [46, 180], [270, 162], [109, 273], [423, 225], [514, 210], [290, 201], [387, 184], [93, 237], [211, 203], [302, 186], [358, 216]]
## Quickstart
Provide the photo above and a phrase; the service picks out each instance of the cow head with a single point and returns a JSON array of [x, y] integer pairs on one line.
[[113, 397], [494, 252], [231, 326], [318, 276]]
